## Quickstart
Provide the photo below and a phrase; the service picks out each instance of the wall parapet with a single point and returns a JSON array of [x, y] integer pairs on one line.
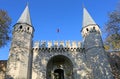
[[57, 44]]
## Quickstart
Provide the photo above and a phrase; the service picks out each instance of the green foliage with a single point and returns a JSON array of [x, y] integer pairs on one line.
[[5, 22], [112, 28]]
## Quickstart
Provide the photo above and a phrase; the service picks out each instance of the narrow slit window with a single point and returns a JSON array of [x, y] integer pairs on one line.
[[87, 29], [28, 28], [21, 27]]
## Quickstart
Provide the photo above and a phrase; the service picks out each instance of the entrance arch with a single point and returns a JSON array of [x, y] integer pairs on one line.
[[59, 67]]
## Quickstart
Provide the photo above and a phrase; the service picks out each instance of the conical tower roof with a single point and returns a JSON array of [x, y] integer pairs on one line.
[[25, 17], [87, 19]]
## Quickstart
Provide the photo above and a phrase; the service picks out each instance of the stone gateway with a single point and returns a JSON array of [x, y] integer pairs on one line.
[[57, 59]]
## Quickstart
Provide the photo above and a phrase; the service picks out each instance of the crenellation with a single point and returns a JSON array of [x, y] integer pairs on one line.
[[49, 44], [57, 44], [43, 44], [74, 45], [68, 44], [62, 44], [36, 44], [79, 44]]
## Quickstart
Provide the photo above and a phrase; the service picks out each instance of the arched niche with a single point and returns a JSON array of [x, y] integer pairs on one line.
[[59, 67]]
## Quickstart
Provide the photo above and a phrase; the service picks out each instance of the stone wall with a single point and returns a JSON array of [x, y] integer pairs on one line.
[[70, 55], [114, 59]]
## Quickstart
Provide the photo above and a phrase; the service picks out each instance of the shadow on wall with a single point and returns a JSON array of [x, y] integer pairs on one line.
[[96, 57], [9, 77]]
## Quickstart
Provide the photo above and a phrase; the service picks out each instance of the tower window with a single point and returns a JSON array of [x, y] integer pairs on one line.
[[87, 29], [28, 28], [21, 27]]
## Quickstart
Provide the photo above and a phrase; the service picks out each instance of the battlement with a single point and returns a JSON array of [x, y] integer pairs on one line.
[[58, 44]]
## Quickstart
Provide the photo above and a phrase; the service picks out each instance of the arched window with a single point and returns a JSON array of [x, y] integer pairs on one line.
[[87, 29], [28, 28], [20, 26]]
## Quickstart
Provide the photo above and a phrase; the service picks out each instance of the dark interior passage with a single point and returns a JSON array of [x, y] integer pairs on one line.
[[59, 74]]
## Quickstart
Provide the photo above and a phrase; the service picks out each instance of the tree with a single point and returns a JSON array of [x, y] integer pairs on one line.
[[112, 28], [5, 22]]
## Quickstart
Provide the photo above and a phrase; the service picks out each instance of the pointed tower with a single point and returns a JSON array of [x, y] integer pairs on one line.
[[20, 51], [25, 17], [95, 54]]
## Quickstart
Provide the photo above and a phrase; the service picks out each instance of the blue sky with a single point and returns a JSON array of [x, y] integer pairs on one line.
[[48, 15]]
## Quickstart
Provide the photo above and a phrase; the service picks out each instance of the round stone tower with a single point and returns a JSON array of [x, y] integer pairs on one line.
[[20, 51], [94, 49]]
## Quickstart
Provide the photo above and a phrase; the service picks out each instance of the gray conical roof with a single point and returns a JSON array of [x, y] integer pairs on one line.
[[25, 17], [87, 19]]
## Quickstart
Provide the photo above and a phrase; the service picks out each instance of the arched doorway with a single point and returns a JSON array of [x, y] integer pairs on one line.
[[59, 67]]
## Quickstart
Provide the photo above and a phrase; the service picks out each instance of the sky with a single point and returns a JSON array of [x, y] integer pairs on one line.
[[49, 15]]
